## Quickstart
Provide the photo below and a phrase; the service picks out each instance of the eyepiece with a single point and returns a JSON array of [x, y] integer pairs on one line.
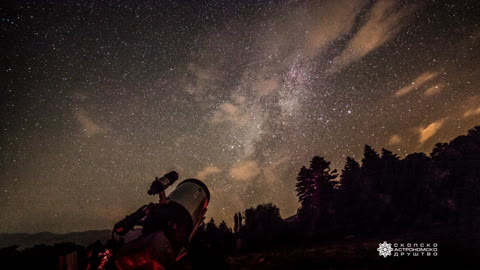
[[162, 183], [172, 176]]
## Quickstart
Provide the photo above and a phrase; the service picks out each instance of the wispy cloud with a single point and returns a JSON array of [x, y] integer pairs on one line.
[[207, 171], [245, 120], [419, 81], [433, 90], [245, 170], [430, 130], [329, 21], [471, 112], [266, 86], [89, 127], [199, 80], [394, 139], [385, 19], [270, 171], [234, 111]]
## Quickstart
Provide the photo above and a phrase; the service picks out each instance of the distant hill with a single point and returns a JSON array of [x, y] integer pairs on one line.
[[25, 240]]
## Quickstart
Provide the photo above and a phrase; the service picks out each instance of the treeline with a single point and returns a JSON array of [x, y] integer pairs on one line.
[[259, 228], [386, 192], [380, 194]]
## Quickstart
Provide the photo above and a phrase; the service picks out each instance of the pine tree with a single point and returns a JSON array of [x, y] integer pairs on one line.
[[223, 227], [211, 227], [349, 199], [235, 220], [240, 221], [388, 155], [315, 189], [390, 164], [350, 175], [305, 187], [370, 158], [371, 170]]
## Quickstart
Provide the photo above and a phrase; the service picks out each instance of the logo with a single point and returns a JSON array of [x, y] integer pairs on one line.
[[385, 249], [407, 249]]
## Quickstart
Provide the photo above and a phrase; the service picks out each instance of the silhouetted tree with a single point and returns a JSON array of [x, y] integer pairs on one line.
[[224, 228], [263, 226], [350, 177], [411, 195], [240, 221], [349, 200], [371, 169], [211, 227], [236, 223], [457, 175], [211, 246], [315, 189]]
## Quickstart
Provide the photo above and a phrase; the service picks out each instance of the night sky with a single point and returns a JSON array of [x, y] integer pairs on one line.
[[99, 98]]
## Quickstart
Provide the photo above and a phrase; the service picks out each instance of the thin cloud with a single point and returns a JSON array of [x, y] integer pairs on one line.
[[329, 21], [394, 139], [89, 127], [385, 20], [245, 170], [434, 90], [234, 111], [207, 171], [307, 31], [270, 172], [266, 87], [418, 82], [200, 80], [471, 112], [245, 119], [430, 130]]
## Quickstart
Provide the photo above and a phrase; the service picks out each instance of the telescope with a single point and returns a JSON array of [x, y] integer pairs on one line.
[[168, 226]]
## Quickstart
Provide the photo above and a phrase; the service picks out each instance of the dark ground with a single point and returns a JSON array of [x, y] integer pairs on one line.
[[456, 250]]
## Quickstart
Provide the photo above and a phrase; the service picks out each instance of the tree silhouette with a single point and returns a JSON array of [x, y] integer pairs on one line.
[[211, 227], [349, 200], [263, 226], [235, 223], [410, 195], [211, 245], [371, 170], [350, 177], [315, 189], [457, 175]]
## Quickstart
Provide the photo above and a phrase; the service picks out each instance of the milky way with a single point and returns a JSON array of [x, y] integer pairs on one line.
[[97, 99]]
